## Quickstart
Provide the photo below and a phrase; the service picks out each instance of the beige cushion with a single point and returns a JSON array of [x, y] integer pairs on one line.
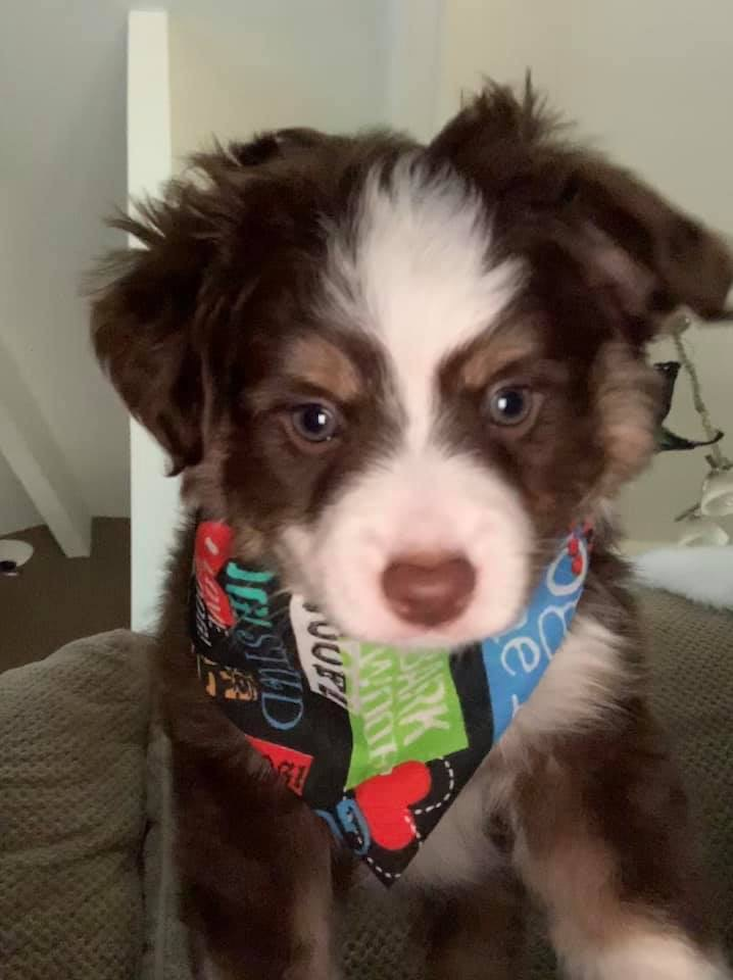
[[73, 731]]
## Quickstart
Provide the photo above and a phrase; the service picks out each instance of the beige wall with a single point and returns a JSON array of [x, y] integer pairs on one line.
[[648, 81], [62, 120], [16, 510], [651, 83], [240, 67]]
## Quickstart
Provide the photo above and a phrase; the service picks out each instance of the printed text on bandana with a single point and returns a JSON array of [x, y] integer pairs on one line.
[[263, 649], [403, 706]]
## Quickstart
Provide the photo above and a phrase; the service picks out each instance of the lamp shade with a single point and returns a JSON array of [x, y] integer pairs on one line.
[[14, 553], [701, 530], [717, 493]]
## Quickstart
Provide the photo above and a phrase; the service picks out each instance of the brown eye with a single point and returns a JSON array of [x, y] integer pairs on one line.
[[315, 422], [511, 405]]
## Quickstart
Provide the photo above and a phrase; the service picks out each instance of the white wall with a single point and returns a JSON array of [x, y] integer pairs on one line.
[[649, 82], [237, 67], [63, 168], [16, 510], [415, 31]]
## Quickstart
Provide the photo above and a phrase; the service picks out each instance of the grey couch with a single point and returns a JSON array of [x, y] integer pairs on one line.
[[87, 890]]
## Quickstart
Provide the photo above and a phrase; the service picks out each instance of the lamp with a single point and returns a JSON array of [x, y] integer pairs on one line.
[[717, 492], [716, 499], [698, 530], [13, 555]]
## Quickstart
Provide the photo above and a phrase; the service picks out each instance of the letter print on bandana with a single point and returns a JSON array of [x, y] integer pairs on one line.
[[378, 740]]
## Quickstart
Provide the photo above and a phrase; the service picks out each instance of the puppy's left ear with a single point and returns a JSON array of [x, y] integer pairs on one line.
[[658, 257], [153, 306], [653, 257], [144, 325]]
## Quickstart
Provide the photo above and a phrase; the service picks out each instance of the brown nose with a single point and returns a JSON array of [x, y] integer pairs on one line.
[[428, 589]]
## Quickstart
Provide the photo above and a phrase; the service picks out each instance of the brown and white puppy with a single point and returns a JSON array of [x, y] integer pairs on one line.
[[368, 355]]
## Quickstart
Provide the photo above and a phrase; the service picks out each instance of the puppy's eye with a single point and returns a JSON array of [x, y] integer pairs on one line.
[[511, 405], [315, 422]]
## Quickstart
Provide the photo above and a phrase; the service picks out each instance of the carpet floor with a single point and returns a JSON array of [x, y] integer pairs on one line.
[[56, 599]]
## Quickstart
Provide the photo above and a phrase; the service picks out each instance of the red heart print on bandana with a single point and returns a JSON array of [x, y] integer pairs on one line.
[[384, 802]]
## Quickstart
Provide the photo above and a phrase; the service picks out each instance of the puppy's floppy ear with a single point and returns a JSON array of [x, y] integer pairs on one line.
[[656, 257], [151, 316], [144, 326], [659, 257]]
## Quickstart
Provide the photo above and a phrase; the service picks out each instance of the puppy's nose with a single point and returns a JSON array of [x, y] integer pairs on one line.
[[429, 589]]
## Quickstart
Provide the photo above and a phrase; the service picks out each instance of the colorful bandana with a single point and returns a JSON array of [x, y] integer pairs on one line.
[[378, 740]]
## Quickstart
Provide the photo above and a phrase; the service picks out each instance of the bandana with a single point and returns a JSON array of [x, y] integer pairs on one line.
[[378, 740]]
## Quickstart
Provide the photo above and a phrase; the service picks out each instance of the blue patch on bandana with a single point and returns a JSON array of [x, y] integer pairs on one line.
[[516, 660]]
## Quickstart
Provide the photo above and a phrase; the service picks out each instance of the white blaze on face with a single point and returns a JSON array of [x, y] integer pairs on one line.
[[417, 276]]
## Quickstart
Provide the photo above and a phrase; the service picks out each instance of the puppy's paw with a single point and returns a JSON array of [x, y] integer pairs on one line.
[[649, 956]]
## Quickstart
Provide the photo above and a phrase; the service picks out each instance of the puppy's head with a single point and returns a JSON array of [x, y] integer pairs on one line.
[[401, 372]]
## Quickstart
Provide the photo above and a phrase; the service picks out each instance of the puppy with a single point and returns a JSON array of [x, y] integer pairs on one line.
[[394, 376]]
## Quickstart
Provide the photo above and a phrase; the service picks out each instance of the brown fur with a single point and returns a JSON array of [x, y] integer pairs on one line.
[[603, 839], [517, 344], [479, 935], [216, 325], [323, 365], [252, 857]]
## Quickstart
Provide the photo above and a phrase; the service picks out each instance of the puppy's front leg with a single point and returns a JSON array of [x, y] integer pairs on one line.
[[255, 864], [479, 934], [604, 841]]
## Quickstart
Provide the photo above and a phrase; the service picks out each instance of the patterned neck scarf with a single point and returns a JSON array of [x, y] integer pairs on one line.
[[378, 740]]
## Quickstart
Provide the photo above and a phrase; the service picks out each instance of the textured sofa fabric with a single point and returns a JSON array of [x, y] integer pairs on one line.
[[85, 849], [691, 650], [73, 737]]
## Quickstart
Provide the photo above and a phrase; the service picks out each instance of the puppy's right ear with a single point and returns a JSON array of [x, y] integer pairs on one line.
[[635, 245], [144, 320], [151, 314]]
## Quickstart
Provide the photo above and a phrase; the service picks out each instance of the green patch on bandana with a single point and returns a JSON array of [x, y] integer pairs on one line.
[[403, 706]]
